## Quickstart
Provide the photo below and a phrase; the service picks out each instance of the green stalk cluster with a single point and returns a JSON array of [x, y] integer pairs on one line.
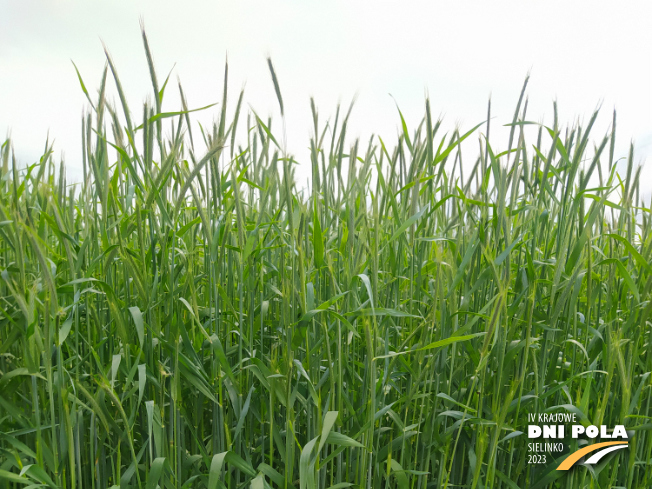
[[192, 319]]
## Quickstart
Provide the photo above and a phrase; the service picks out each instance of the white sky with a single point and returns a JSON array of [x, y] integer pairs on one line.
[[580, 53]]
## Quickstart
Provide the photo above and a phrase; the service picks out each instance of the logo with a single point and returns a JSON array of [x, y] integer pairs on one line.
[[607, 446], [553, 439]]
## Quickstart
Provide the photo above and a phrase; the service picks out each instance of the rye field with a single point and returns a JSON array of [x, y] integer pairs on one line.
[[189, 316]]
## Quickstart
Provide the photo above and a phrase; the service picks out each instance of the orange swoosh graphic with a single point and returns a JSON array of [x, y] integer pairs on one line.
[[575, 456]]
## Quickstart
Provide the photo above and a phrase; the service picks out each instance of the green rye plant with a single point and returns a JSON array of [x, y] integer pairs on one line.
[[192, 319]]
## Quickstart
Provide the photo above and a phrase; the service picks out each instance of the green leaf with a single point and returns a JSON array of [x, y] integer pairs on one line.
[[273, 474], [459, 275], [258, 482], [165, 115], [252, 238], [317, 238], [625, 274], [155, 472], [441, 156], [142, 379], [10, 476], [323, 307], [436, 344], [399, 475], [231, 458], [510, 483], [215, 471], [184, 229], [501, 258], [335, 438], [266, 129], [329, 420], [306, 466], [64, 330], [382, 312], [243, 414], [635, 254], [408, 223], [140, 325], [83, 87]]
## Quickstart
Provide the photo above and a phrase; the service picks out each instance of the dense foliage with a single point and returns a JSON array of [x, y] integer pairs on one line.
[[194, 319]]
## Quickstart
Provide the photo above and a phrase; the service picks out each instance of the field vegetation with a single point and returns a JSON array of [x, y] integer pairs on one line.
[[187, 316]]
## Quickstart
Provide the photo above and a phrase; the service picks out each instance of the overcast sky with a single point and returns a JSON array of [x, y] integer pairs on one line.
[[579, 53]]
